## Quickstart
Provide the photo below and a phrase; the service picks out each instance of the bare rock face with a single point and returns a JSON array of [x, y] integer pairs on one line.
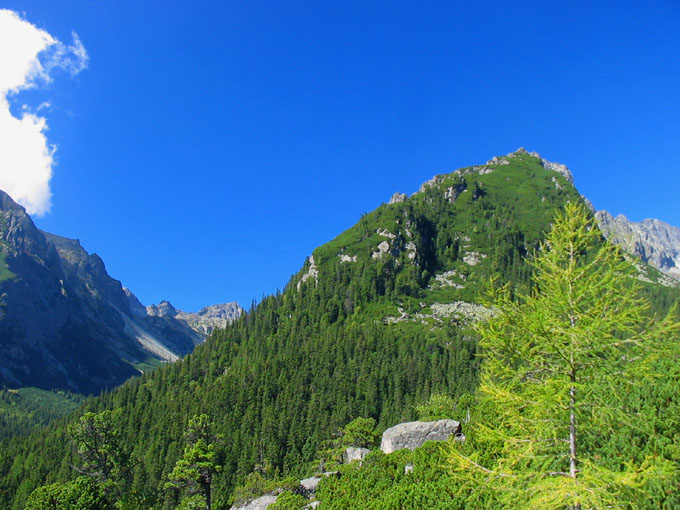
[[211, 317], [163, 309], [653, 241], [413, 434], [310, 484], [226, 311], [137, 309], [352, 454], [397, 198], [62, 323], [202, 322], [260, 503]]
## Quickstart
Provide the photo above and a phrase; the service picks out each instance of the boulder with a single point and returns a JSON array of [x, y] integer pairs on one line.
[[352, 454], [310, 484], [413, 434], [260, 503]]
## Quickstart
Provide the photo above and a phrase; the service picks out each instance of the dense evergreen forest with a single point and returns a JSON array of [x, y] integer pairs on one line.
[[367, 328]]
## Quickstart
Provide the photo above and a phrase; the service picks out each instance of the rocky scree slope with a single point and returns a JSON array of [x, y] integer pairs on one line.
[[64, 322]]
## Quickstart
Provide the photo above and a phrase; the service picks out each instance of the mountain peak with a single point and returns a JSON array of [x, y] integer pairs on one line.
[[492, 165], [548, 165], [162, 309]]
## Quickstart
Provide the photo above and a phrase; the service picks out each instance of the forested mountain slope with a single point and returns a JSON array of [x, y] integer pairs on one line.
[[68, 329], [374, 323]]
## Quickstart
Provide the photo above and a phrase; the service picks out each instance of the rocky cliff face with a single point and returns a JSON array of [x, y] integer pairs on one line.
[[64, 322], [55, 330], [653, 241]]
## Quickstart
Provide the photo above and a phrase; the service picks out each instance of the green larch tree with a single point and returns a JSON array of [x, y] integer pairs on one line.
[[558, 362]]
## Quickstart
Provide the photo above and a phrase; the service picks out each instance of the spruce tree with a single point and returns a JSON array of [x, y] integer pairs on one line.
[[558, 363]]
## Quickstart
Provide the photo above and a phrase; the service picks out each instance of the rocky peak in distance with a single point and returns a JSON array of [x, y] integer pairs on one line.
[[204, 321], [653, 241]]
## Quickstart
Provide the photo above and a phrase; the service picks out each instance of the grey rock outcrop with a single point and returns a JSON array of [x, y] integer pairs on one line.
[[310, 484], [312, 272], [260, 503], [162, 309], [397, 198], [351, 454], [136, 307], [414, 434], [212, 317], [651, 240]]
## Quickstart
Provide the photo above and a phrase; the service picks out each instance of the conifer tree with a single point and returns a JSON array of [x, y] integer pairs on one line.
[[197, 467], [98, 445], [557, 365]]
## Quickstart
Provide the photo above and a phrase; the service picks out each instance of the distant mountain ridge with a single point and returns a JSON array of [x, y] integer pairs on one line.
[[205, 321], [66, 324], [652, 240]]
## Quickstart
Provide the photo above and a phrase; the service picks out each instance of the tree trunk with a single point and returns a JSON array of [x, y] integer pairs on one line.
[[207, 492], [572, 431]]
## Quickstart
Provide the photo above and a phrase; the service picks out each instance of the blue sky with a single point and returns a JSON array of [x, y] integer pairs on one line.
[[208, 147]]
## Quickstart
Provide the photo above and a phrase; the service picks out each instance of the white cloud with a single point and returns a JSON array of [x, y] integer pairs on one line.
[[28, 56]]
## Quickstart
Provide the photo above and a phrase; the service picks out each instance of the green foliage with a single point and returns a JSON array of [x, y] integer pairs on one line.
[[195, 470], [5, 273], [193, 502], [360, 433], [438, 407], [383, 482], [559, 364], [289, 501], [25, 409], [98, 443], [83, 493]]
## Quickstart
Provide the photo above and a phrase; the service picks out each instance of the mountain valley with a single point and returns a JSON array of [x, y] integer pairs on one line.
[[374, 324]]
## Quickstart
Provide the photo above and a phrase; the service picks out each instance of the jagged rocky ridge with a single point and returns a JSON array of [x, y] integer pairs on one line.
[[205, 321], [65, 323], [653, 241]]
